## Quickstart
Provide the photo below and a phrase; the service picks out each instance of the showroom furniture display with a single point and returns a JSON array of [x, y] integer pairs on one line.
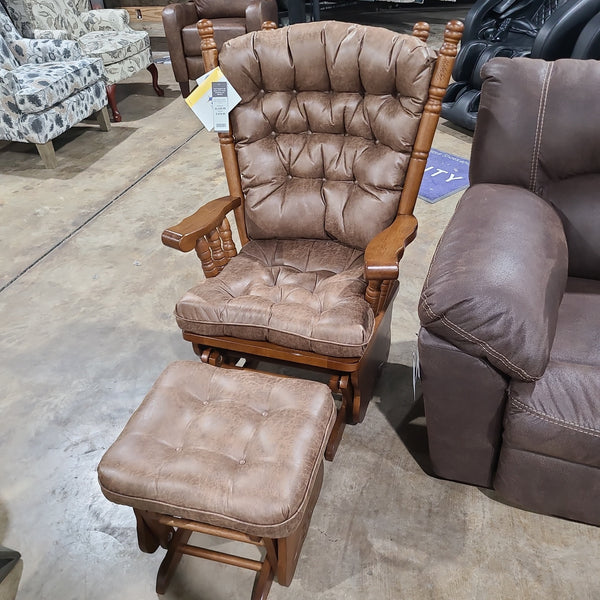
[[324, 161], [103, 34], [233, 454], [230, 18], [509, 346], [46, 87], [546, 29]]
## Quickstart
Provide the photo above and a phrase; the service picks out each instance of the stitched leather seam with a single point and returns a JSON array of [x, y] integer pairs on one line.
[[555, 420], [539, 128], [484, 345]]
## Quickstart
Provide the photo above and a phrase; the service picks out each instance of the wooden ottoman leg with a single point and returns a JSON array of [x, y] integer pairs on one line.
[[263, 581], [171, 560], [288, 549], [151, 534]]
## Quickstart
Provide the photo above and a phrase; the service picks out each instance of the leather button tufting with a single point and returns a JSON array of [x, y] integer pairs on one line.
[[242, 462], [264, 413]]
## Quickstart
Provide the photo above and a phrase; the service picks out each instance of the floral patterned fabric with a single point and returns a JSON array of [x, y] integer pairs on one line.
[[35, 91], [100, 33], [45, 86], [113, 48]]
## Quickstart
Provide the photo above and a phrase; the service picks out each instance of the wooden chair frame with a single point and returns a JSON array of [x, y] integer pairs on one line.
[[208, 232]]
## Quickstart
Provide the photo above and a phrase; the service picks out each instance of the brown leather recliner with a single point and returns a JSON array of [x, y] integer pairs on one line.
[[230, 18], [510, 339]]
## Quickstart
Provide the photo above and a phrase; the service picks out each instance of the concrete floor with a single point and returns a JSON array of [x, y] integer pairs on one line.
[[86, 303]]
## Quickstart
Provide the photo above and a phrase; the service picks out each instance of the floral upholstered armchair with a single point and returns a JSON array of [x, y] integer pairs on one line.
[[46, 87], [103, 34]]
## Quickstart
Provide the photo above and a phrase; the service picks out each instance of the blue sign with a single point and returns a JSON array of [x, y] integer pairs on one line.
[[444, 175]]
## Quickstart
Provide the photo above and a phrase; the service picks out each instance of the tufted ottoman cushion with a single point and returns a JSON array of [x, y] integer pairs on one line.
[[235, 449], [303, 294]]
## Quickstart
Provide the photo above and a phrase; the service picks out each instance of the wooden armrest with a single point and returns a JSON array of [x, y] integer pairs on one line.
[[184, 235], [386, 249]]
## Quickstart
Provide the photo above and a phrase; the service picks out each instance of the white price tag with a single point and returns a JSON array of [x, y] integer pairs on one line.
[[212, 105]]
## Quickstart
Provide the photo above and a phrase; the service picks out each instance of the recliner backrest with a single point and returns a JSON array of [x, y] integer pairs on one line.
[[209, 9], [538, 128], [325, 128]]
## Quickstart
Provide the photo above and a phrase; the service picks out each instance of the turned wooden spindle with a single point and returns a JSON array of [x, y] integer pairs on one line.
[[421, 31], [205, 256], [210, 55], [268, 25], [372, 294], [225, 233], [431, 114], [216, 249]]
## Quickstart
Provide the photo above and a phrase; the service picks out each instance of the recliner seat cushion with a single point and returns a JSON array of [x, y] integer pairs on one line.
[[558, 415], [114, 47], [331, 136], [41, 87], [302, 294]]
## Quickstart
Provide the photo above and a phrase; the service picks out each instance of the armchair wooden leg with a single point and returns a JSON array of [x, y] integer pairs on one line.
[[103, 119], [46, 152], [154, 72], [112, 102], [184, 86]]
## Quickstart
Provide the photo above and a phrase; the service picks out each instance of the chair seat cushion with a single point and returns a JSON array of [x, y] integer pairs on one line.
[[114, 47], [230, 448], [39, 87], [559, 415], [224, 29], [302, 294]]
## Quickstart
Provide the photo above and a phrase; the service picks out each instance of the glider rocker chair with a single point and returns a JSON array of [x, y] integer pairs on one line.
[[509, 345], [46, 87], [230, 18], [324, 161], [103, 34]]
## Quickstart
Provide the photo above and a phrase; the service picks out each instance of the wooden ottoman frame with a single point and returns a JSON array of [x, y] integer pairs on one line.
[[280, 556]]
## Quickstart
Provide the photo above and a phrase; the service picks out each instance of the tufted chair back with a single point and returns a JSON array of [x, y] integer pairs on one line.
[[325, 127]]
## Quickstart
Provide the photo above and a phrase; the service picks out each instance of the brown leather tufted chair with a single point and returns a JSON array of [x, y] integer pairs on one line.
[[510, 343], [324, 161], [230, 18]]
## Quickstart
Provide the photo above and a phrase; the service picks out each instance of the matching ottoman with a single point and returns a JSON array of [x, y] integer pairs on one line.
[[233, 453]]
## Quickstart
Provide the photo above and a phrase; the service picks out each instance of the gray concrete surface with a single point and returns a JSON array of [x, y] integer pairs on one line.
[[87, 326]]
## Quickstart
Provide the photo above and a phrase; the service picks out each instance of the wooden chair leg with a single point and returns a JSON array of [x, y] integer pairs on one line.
[[339, 385], [171, 560], [154, 72], [184, 86], [112, 102], [103, 119], [47, 154]]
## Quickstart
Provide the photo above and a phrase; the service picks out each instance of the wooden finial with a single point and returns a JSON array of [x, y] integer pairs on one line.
[[210, 56], [269, 26], [452, 35], [421, 30]]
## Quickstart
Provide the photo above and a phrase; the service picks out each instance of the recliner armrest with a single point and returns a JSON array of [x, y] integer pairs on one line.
[[185, 234], [497, 279], [385, 250]]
